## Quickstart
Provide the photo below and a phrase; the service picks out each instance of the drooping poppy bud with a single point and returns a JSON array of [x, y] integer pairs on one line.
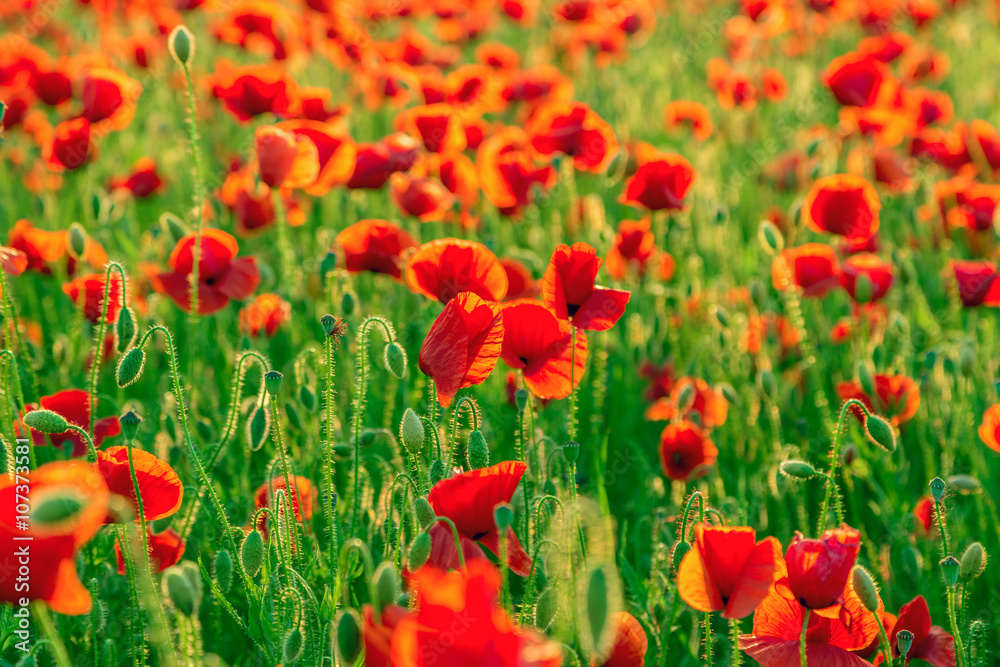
[[880, 432], [349, 642], [46, 421], [798, 469], [865, 588], [425, 513], [546, 608], [77, 240], [973, 562], [411, 432], [258, 428], [598, 610], [386, 585], [130, 367], [420, 550], [479, 451], [179, 590], [395, 359], [125, 329], [291, 648]]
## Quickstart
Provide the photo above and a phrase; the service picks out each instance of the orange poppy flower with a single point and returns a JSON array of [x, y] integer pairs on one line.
[[165, 549], [988, 139], [812, 267], [521, 284], [378, 634], [690, 114], [573, 129], [313, 103], [507, 173], [88, 291], [541, 345], [536, 85], [462, 346], [569, 289], [335, 152], [629, 646], [843, 204], [70, 145], [881, 275], [686, 451], [468, 599], [931, 106], [989, 430], [897, 397], [252, 90], [74, 405], [931, 643], [285, 159], [438, 126], [662, 183], [774, 84], [264, 315], [727, 570], [221, 276], [144, 181], [819, 569], [444, 268], [39, 246], [423, 198], [708, 403], [53, 578], [855, 79], [159, 486], [375, 245], [302, 500]]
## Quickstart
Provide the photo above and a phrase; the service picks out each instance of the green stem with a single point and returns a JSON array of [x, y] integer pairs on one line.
[[41, 613], [708, 639], [939, 515], [328, 505], [199, 194], [955, 630], [454, 535], [734, 626], [802, 639], [291, 492], [831, 484], [102, 326]]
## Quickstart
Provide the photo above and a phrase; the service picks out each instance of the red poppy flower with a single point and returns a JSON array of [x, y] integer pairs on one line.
[[708, 403], [819, 569], [221, 276], [88, 291], [686, 451], [881, 275], [923, 512], [165, 549], [424, 198], [375, 245], [843, 204], [629, 646], [541, 345], [144, 180], [313, 102], [444, 268], [159, 486], [988, 139], [931, 643], [378, 634], [830, 642], [977, 283], [302, 500], [812, 267], [692, 114], [39, 246], [897, 397], [573, 129], [253, 90], [284, 158], [466, 599], [568, 289], [468, 500], [661, 379], [53, 578], [69, 147], [727, 570], [855, 79], [989, 430], [335, 152], [521, 284], [660, 184], [634, 248], [109, 94], [53, 88], [74, 405], [438, 126], [462, 346], [264, 315]]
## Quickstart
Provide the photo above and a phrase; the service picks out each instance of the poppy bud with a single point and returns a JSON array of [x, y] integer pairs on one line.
[[729, 393], [436, 471], [307, 397], [420, 550], [503, 516], [46, 421], [965, 484], [912, 564], [291, 648], [571, 450], [937, 489], [767, 383], [386, 585], [425, 513], [276, 150], [347, 303], [77, 237], [865, 379], [179, 590], [349, 636], [880, 432], [770, 238], [174, 228], [686, 398], [930, 360], [224, 570], [252, 552], [395, 359], [272, 382], [125, 329], [758, 294], [973, 562], [798, 469], [181, 45], [863, 288], [949, 365], [904, 640], [55, 508], [949, 570], [130, 367], [130, 425], [680, 550], [865, 588], [258, 429], [521, 400], [327, 265], [597, 605], [967, 361], [478, 450], [546, 608], [721, 316], [294, 418], [411, 432], [812, 147]]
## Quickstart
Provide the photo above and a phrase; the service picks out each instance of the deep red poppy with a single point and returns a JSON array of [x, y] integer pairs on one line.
[[424, 198], [977, 283], [931, 643], [70, 145], [881, 274], [521, 284], [855, 79], [165, 549], [253, 90], [143, 181], [573, 129], [708, 403], [336, 152], [897, 397], [88, 291], [629, 646], [813, 268], [109, 94], [159, 486], [727, 570], [468, 500], [378, 634], [438, 126], [264, 315], [462, 346], [53, 87], [569, 289], [276, 150], [633, 248], [843, 204], [541, 345], [74, 405], [444, 268], [661, 379], [686, 451], [923, 512], [819, 569], [221, 276], [375, 245], [660, 183]]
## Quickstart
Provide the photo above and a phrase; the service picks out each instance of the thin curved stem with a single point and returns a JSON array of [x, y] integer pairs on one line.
[[102, 326]]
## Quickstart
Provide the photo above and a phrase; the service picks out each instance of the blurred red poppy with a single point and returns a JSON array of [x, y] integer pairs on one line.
[[438, 126], [691, 114], [74, 405], [541, 345], [989, 429], [521, 284], [569, 289], [686, 451], [575, 130], [378, 633], [977, 283], [70, 145], [444, 268], [843, 204], [284, 158], [507, 173], [629, 646], [813, 268], [335, 152], [897, 397], [39, 246], [221, 276], [143, 181], [109, 94], [375, 245], [633, 249], [931, 643], [165, 549], [880, 275], [660, 184], [160, 488], [819, 569], [707, 402], [303, 499], [424, 198], [252, 90], [264, 315], [88, 291], [855, 79]]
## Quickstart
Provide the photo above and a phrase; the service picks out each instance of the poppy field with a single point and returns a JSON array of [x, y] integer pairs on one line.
[[499, 333]]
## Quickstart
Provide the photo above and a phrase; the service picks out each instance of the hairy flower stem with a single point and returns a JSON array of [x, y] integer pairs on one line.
[[102, 327], [831, 481], [291, 492], [571, 426], [41, 613], [734, 626], [939, 515], [328, 472], [802, 639], [289, 272], [10, 377], [199, 194], [10, 319], [454, 535]]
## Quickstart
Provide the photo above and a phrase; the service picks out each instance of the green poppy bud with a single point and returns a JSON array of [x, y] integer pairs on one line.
[[904, 640], [770, 238], [478, 451], [865, 588], [294, 418], [680, 550], [349, 636], [130, 367], [420, 550], [937, 489], [179, 590], [571, 450], [973, 562], [347, 303], [768, 384], [729, 393], [437, 471], [46, 421], [411, 432], [77, 238], [327, 265], [758, 294], [395, 359], [598, 606], [865, 378], [258, 428], [503, 516], [686, 398], [721, 316], [386, 585], [56, 507], [965, 484], [224, 570], [130, 425], [291, 648], [880, 432], [949, 570], [252, 552], [307, 397], [125, 329], [425, 513], [798, 469], [272, 382], [546, 608], [863, 288], [967, 361], [181, 45]]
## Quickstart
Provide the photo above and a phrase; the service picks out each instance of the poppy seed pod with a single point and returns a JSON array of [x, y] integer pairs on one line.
[[291, 648], [272, 382], [798, 469], [349, 636], [904, 640], [77, 238], [181, 45], [478, 451], [546, 608], [571, 450], [395, 359], [521, 400], [329, 324], [503, 516], [125, 329], [949, 570], [130, 367], [46, 421], [179, 590], [252, 552], [411, 432], [130, 425], [420, 550], [880, 432], [224, 569], [386, 585], [425, 513], [973, 562], [865, 588], [938, 487]]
